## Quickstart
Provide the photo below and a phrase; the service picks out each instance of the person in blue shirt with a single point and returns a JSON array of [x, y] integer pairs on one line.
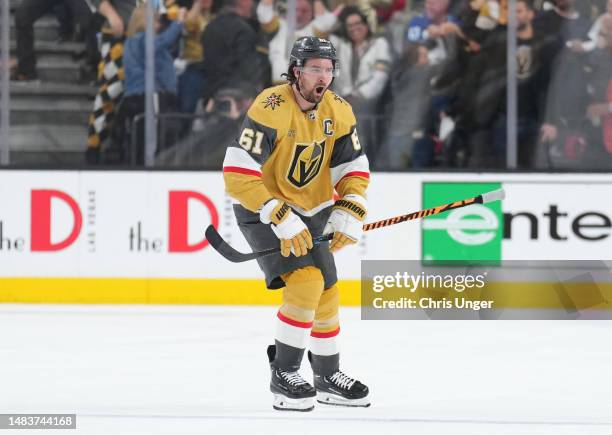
[[134, 53], [431, 27], [134, 87]]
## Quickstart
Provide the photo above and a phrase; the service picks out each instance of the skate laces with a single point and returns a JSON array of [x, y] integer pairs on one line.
[[293, 378], [342, 380]]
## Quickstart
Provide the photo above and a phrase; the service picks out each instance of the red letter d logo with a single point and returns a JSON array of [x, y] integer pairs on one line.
[[41, 220], [179, 220]]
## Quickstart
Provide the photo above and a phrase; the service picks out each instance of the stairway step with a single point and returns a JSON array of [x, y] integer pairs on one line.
[[54, 90], [54, 47], [37, 111], [48, 138], [58, 71]]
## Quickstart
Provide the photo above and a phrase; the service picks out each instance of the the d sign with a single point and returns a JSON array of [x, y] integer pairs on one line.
[[41, 220], [178, 222]]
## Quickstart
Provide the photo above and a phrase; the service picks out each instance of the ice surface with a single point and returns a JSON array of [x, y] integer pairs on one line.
[[203, 370]]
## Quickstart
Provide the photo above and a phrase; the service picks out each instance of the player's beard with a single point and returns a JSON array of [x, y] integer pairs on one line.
[[312, 96]]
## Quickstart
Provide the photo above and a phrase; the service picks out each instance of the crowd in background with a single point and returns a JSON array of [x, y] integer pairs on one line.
[[426, 79]]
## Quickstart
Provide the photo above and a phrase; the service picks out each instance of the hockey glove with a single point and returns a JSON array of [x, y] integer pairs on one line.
[[346, 221], [288, 227]]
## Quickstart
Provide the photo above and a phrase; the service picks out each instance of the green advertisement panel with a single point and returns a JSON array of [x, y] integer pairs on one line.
[[472, 234]]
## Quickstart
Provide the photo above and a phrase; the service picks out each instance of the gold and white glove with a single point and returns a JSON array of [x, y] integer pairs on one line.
[[346, 221], [288, 227]]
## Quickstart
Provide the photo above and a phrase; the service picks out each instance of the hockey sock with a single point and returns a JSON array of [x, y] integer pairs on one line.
[[295, 317]]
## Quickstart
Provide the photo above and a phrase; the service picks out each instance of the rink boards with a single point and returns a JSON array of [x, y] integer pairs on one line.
[[138, 237]]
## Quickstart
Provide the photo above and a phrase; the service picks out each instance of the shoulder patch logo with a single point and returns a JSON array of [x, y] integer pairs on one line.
[[306, 163], [273, 101]]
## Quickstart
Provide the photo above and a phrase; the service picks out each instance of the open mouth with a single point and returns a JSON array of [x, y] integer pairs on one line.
[[319, 89]]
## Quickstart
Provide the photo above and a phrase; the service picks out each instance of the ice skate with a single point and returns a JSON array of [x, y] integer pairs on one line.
[[291, 391], [333, 387], [342, 390]]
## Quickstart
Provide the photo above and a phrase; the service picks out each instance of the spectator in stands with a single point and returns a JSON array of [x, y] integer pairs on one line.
[[436, 33], [386, 9], [491, 13], [365, 6], [411, 93], [231, 50], [564, 31], [165, 76], [484, 121], [562, 26], [30, 11], [205, 148], [432, 28], [479, 72], [530, 88], [191, 80], [111, 73], [312, 19], [365, 62], [599, 109], [595, 32]]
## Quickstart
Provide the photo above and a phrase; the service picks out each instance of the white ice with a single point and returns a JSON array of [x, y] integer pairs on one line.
[[203, 370]]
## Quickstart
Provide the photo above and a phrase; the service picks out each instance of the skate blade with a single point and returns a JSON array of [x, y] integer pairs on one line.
[[283, 403], [333, 399]]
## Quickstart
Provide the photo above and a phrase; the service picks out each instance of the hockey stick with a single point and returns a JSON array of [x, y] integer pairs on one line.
[[223, 248]]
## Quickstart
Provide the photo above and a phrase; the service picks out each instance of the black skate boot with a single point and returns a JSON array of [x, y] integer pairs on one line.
[[291, 391], [334, 387]]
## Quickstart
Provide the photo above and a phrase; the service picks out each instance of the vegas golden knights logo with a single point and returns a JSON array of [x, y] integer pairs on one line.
[[306, 163]]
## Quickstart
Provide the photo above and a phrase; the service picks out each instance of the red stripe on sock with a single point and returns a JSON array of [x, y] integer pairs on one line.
[[326, 334], [292, 322]]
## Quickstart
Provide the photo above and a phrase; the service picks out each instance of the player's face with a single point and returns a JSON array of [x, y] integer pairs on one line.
[[314, 79]]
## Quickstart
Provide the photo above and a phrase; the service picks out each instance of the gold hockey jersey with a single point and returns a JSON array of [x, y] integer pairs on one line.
[[295, 156]]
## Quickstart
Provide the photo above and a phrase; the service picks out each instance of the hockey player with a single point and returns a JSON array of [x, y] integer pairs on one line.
[[298, 142]]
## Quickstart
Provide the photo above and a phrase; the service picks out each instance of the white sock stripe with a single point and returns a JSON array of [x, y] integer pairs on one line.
[[291, 335], [324, 346]]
